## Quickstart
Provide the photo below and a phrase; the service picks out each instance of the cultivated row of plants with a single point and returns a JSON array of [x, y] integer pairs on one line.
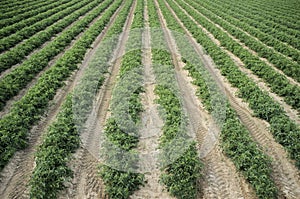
[[284, 130], [12, 5], [19, 52], [236, 141], [179, 159], [289, 67], [14, 39], [283, 25], [18, 78], [51, 170], [15, 126], [279, 9], [119, 169], [180, 174], [62, 137], [278, 83], [9, 31], [25, 11], [13, 17], [264, 33], [276, 8]]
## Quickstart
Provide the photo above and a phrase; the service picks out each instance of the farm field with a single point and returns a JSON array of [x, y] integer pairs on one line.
[[150, 99]]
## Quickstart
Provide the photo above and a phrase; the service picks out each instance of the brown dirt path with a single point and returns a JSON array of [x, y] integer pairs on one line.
[[151, 127], [86, 182], [220, 178]]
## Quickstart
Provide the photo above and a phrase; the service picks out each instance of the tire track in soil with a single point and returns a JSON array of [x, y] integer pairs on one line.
[[285, 174], [16, 175], [151, 127], [86, 182], [220, 178], [22, 92], [290, 111]]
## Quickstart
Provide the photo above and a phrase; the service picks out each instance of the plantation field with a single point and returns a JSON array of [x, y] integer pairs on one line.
[[150, 99]]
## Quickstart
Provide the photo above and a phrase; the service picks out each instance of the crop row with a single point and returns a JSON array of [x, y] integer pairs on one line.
[[235, 138], [180, 175], [26, 11], [56, 14], [8, 6], [266, 34], [14, 18], [71, 119], [13, 39], [278, 83], [181, 166], [276, 9], [15, 126], [289, 67], [271, 22], [26, 23], [17, 79], [121, 129], [51, 170], [18, 53], [285, 131]]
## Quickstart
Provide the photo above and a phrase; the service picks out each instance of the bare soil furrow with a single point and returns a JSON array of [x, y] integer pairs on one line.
[[151, 126], [86, 182], [220, 179], [285, 174]]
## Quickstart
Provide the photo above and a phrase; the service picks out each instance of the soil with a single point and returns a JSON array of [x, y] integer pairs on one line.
[[151, 128], [86, 182], [220, 179]]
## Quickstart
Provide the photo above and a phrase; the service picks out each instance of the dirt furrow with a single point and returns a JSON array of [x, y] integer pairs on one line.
[[220, 177], [285, 174], [292, 81], [151, 127], [15, 176], [86, 182], [218, 181], [292, 113]]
